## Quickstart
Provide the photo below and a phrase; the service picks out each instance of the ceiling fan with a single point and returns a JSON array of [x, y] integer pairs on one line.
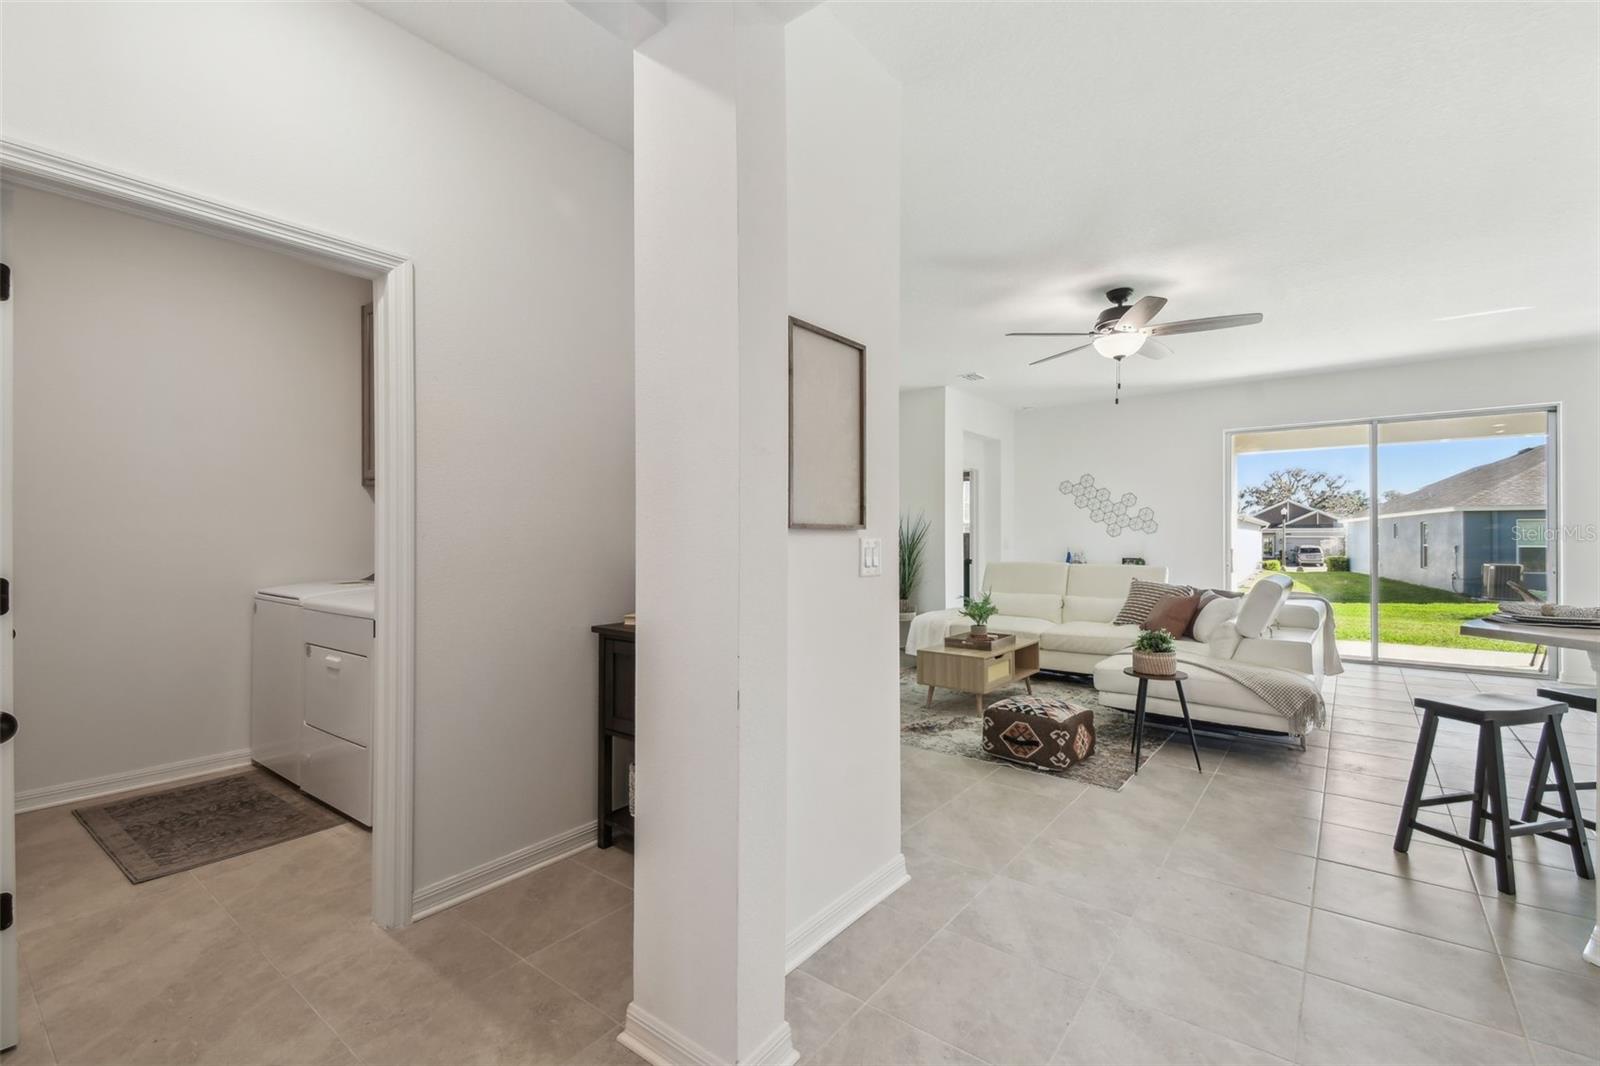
[[1124, 329]]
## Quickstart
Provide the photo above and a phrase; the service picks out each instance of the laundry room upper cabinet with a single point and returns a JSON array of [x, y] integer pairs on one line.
[[369, 464]]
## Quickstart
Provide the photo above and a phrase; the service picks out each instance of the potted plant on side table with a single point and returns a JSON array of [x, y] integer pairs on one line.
[[980, 611], [1154, 653]]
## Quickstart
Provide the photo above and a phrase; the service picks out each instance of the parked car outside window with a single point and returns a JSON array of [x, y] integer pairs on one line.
[[1310, 556]]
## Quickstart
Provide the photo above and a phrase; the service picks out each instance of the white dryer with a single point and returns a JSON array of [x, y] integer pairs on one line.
[[277, 648], [335, 766]]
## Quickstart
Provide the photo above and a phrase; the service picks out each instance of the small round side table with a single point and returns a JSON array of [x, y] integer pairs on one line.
[[1177, 678]]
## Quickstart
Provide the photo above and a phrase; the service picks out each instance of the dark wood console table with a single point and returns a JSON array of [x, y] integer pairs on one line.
[[616, 720]]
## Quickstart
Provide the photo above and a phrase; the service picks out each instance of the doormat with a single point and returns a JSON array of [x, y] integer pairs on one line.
[[168, 832]]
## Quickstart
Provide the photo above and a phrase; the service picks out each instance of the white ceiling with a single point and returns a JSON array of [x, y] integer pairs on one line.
[[1352, 171], [545, 49]]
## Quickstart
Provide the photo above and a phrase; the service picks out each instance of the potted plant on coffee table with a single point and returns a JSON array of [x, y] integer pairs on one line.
[[980, 611], [1154, 653]]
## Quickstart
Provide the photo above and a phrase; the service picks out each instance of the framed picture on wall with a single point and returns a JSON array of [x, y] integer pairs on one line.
[[827, 429]]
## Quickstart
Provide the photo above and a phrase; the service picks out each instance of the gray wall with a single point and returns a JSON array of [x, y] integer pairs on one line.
[[1400, 550], [1481, 536]]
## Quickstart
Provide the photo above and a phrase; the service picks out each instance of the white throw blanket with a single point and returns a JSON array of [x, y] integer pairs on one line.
[[1295, 696], [928, 630]]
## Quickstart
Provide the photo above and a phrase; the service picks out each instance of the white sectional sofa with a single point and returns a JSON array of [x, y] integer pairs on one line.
[[1069, 608], [1295, 641]]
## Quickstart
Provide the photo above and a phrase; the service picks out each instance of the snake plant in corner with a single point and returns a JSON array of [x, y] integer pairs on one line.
[[913, 545]]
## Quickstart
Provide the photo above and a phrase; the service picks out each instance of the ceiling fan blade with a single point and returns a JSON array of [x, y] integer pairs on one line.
[[1058, 355], [1146, 308], [1154, 349], [1050, 334], [1201, 325]]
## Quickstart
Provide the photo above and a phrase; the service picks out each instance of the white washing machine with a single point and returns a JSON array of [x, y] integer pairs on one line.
[[335, 765], [277, 648]]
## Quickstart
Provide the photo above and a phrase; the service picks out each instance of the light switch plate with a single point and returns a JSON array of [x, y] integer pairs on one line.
[[871, 556]]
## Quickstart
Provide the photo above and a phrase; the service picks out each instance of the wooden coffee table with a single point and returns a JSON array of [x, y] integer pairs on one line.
[[978, 671]]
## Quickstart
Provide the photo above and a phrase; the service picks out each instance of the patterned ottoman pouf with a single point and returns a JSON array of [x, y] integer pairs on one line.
[[1039, 731]]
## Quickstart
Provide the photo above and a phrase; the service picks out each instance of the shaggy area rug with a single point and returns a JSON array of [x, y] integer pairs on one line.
[[952, 726]]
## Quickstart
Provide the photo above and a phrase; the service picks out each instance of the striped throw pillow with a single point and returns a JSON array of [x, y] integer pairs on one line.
[[1142, 599]]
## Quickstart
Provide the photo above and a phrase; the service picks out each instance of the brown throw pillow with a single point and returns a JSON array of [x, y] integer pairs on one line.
[[1142, 599], [1175, 614]]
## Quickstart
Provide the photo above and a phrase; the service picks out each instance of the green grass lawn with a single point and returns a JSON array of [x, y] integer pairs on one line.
[[1407, 613]]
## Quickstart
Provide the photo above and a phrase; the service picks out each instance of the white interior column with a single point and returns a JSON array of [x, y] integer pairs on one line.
[[711, 395]]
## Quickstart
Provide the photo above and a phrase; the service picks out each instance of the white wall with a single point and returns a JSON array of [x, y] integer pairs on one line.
[[188, 429], [935, 426], [844, 274], [922, 487], [518, 222], [1173, 451], [711, 402]]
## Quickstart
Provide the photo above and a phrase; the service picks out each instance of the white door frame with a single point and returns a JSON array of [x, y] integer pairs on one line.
[[395, 502]]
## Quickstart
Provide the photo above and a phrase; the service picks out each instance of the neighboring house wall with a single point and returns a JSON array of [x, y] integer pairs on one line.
[[1491, 537], [1400, 549], [188, 430], [1459, 543], [1246, 553]]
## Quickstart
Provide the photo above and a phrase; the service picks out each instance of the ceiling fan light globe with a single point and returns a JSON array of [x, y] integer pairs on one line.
[[1117, 345]]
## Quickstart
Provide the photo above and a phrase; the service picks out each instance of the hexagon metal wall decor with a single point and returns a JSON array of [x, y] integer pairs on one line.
[[1116, 514]]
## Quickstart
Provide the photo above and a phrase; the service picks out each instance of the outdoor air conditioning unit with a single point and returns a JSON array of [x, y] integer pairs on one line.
[[1497, 579]]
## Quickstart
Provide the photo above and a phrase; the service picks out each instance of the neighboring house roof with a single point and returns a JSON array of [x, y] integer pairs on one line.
[[1299, 511], [1515, 483], [1248, 519]]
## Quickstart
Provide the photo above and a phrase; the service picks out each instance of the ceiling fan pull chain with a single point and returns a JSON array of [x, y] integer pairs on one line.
[[1117, 399]]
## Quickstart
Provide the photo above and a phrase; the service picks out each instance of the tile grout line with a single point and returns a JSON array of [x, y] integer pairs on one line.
[[518, 955], [867, 1001], [275, 969], [1156, 1009], [579, 859], [1311, 910], [528, 960], [39, 1013], [1483, 907]]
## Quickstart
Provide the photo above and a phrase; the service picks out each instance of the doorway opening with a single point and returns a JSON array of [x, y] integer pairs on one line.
[[391, 671]]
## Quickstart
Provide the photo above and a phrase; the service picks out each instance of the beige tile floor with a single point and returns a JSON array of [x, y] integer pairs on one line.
[[1253, 913], [271, 958]]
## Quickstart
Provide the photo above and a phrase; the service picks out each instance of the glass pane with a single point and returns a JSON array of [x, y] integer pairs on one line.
[[1461, 526], [1296, 491]]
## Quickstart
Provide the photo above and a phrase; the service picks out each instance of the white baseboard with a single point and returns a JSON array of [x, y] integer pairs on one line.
[[777, 1049], [661, 1045], [837, 916], [480, 879], [36, 799]]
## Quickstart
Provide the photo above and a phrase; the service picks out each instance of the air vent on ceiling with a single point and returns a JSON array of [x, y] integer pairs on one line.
[[972, 375]]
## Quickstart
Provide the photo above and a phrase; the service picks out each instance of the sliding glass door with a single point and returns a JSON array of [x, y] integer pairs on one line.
[[1298, 489], [1437, 520], [1461, 508]]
